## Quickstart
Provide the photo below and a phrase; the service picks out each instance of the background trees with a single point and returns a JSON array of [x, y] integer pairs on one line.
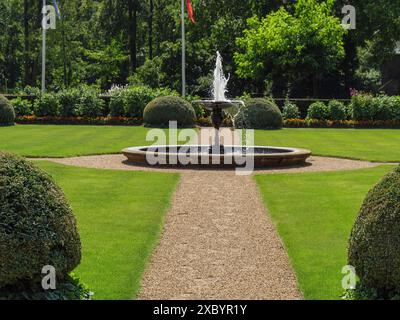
[[292, 48], [105, 42]]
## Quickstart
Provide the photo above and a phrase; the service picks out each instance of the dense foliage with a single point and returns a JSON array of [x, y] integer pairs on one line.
[[161, 111], [319, 111], [138, 42], [290, 111], [338, 110], [368, 107], [22, 107], [7, 114], [131, 101], [37, 225], [374, 248], [259, 114], [292, 47]]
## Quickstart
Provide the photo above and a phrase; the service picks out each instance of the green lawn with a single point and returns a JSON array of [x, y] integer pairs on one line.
[[314, 214], [365, 144], [120, 216], [65, 141]]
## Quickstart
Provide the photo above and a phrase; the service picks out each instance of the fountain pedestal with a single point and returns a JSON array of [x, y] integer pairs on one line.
[[217, 117]]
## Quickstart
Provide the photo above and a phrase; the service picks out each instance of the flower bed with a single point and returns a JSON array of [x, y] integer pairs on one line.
[[116, 121], [304, 123]]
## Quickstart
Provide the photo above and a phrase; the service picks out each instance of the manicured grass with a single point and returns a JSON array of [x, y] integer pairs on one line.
[[364, 144], [314, 214], [66, 141], [120, 216]]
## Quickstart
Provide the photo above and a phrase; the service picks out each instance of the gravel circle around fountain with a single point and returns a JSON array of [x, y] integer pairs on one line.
[[118, 162]]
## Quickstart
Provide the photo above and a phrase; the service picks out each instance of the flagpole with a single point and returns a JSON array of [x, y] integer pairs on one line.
[[183, 51], [43, 48]]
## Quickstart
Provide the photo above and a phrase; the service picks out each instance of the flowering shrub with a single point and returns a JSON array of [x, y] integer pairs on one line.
[[290, 111]]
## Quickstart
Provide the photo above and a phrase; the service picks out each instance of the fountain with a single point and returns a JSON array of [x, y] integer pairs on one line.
[[217, 154]]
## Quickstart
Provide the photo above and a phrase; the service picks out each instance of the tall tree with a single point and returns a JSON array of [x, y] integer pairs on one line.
[[132, 33], [150, 22]]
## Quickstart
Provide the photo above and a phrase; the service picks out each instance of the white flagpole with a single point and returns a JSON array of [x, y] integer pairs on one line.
[[43, 49], [183, 51]]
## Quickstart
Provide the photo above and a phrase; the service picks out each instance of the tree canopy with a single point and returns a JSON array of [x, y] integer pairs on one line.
[[293, 44]]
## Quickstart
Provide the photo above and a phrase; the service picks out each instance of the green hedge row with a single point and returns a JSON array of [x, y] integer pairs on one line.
[[127, 102], [363, 107]]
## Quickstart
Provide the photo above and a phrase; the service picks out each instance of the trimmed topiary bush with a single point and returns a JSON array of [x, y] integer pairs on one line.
[[259, 114], [7, 114], [374, 247], [161, 111], [338, 110], [37, 226], [47, 105], [290, 111], [318, 111]]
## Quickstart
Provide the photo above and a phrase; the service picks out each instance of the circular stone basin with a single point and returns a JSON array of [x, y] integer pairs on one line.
[[200, 156]]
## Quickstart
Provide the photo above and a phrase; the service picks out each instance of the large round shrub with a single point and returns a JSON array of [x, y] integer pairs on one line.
[[318, 111], [161, 111], [7, 115], [37, 226], [374, 248], [259, 113]]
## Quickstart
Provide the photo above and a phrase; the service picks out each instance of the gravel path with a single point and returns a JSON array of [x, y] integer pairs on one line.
[[219, 243]]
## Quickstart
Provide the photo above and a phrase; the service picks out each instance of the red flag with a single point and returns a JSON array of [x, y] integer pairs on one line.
[[190, 11]]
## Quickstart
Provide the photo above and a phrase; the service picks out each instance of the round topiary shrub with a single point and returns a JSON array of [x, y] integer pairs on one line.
[[37, 226], [160, 111], [318, 111], [7, 114], [374, 247], [259, 114]]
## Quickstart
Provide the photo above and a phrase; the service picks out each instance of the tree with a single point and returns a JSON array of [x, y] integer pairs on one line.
[[298, 46]]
